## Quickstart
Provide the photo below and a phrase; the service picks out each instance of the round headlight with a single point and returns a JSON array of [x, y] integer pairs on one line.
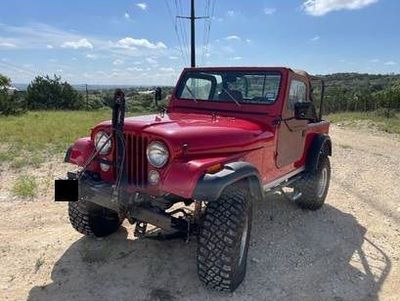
[[100, 140], [157, 154]]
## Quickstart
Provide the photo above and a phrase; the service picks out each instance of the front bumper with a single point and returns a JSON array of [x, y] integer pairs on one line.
[[87, 188], [91, 189]]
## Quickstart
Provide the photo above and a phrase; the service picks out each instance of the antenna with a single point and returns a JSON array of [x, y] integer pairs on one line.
[[192, 19]]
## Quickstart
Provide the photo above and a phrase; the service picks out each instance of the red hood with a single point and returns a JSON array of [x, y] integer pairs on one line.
[[201, 132]]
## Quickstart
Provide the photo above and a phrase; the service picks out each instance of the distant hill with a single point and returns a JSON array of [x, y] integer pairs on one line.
[[82, 87], [375, 82]]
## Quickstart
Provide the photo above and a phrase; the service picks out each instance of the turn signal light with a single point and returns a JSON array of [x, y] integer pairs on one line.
[[214, 168]]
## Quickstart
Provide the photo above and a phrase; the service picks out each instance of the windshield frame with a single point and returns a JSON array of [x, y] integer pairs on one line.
[[202, 73]]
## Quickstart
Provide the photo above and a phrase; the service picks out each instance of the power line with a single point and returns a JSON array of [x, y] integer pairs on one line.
[[203, 48], [192, 19], [174, 25], [183, 28], [19, 68]]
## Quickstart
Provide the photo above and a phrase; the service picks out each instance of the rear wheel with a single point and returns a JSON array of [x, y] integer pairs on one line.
[[224, 240], [310, 192], [93, 220]]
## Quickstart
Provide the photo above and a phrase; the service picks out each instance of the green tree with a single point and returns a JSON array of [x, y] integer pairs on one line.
[[51, 93], [10, 103]]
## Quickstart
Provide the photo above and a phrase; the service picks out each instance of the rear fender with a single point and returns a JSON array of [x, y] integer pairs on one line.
[[321, 144], [210, 186]]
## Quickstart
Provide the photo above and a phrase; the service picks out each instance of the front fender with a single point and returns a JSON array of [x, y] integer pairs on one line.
[[210, 187], [80, 152]]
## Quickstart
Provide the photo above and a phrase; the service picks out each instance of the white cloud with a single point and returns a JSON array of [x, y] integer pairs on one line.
[[91, 56], [168, 69], [131, 43], [48, 46], [390, 63], [322, 7], [314, 39], [8, 45], [151, 61], [374, 61], [231, 13], [236, 58], [172, 57], [142, 6], [127, 16], [118, 62], [269, 10], [82, 43], [233, 38], [134, 69]]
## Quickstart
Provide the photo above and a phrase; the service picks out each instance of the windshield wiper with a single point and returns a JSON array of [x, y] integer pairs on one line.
[[191, 93], [229, 94]]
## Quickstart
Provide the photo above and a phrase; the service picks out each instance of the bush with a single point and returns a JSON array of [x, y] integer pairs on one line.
[[25, 186], [384, 112], [10, 104], [50, 93]]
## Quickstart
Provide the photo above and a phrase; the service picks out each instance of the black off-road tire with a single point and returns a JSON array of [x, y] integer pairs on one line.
[[313, 195], [92, 220], [224, 236]]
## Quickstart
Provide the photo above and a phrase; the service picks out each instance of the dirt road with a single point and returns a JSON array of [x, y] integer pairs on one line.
[[349, 250]]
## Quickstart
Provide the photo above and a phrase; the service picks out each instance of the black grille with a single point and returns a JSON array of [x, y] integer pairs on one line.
[[136, 160]]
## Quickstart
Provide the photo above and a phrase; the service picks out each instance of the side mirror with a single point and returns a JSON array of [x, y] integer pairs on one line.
[[157, 95], [304, 111]]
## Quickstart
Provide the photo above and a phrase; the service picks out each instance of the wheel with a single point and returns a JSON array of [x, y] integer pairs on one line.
[[93, 220], [224, 240], [310, 192]]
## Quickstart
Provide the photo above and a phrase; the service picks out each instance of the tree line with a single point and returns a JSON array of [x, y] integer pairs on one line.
[[52, 93], [344, 92], [354, 92]]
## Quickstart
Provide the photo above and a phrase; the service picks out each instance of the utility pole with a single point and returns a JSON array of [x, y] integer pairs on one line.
[[193, 35], [192, 19], [87, 97]]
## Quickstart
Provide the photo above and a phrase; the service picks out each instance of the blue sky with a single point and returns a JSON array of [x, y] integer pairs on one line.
[[135, 42]]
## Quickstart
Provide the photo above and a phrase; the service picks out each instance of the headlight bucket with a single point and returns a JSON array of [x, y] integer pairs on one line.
[[100, 139], [157, 154]]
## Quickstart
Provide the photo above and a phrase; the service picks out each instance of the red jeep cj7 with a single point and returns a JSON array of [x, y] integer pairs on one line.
[[227, 136]]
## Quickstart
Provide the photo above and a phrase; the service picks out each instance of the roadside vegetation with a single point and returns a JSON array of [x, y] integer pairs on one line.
[[369, 119], [25, 187]]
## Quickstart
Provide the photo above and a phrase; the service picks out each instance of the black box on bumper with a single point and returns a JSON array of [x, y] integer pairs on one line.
[[86, 188]]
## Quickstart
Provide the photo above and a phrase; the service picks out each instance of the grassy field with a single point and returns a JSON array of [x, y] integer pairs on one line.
[[29, 139], [355, 119]]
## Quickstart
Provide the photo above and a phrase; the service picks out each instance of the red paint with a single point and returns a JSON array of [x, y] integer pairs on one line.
[[214, 133]]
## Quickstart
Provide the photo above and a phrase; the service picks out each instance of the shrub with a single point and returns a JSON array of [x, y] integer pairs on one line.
[[25, 187], [50, 93], [385, 112], [10, 104]]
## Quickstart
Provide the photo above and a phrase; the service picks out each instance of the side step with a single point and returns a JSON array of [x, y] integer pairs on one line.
[[284, 181]]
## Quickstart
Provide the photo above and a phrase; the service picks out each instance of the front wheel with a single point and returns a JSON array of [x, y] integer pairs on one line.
[[92, 220], [224, 240], [311, 191]]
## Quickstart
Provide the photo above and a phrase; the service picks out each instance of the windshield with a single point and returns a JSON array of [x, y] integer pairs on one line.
[[230, 86]]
